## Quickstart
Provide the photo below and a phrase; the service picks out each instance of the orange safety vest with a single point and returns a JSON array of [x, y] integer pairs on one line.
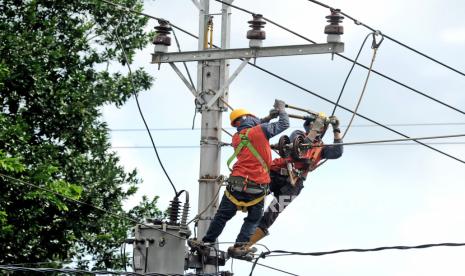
[[247, 165], [313, 155]]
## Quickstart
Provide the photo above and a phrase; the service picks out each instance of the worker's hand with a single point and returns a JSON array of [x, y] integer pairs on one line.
[[274, 113], [307, 123], [279, 105], [334, 122]]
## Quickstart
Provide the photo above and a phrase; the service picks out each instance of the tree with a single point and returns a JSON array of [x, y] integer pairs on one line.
[[51, 128]]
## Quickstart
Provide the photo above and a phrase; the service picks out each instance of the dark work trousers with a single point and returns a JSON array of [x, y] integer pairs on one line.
[[227, 210], [283, 193]]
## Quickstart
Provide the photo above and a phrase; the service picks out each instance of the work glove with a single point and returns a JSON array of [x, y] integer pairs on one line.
[[273, 114], [279, 105], [307, 123], [334, 122]]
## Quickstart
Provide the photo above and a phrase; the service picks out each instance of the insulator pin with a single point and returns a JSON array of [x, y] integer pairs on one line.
[[334, 30], [256, 34], [162, 39]]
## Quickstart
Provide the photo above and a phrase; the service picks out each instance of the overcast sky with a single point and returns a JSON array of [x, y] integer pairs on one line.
[[374, 195]]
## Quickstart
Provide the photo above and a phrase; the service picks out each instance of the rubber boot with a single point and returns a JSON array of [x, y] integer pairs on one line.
[[258, 235]]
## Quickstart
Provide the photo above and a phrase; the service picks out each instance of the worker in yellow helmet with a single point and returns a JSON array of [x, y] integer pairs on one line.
[[249, 179]]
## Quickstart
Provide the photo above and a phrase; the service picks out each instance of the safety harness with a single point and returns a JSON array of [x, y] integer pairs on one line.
[[245, 142]]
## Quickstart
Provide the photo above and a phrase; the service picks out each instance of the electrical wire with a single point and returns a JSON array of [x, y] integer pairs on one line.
[[357, 144], [375, 50], [64, 270], [198, 216], [327, 100], [350, 72], [348, 59], [231, 128], [398, 247], [357, 22], [87, 204], [123, 8], [140, 109], [395, 140], [272, 268], [347, 109]]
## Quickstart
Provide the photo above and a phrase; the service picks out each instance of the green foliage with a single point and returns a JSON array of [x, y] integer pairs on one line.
[[147, 209], [54, 57]]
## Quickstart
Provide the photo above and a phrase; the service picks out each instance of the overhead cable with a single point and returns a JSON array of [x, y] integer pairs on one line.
[[357, 250], [123, 8], [396, 140], [350, 73], [375, 47], [327, 100], [347, 109], [355, 144], [65, 270], [349, 59], [140, 109], [19, 181], [357, 22], [231, 128]]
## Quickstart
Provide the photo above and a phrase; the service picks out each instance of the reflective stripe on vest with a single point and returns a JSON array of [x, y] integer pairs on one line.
[[245, 142]]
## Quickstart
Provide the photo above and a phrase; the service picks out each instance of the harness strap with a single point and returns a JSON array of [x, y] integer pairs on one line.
[[245, 142], [242, 205]]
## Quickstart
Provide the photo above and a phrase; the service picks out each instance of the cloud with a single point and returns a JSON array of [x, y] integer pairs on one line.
[[453, 35]]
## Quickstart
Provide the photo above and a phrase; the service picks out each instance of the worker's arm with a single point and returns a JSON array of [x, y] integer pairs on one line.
[[273, 129], [335, 151], [272, 115]]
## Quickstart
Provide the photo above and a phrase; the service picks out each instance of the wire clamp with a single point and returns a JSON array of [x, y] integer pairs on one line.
[[375, 44]]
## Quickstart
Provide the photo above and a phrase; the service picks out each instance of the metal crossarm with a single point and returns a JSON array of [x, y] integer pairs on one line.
[[274, 51]]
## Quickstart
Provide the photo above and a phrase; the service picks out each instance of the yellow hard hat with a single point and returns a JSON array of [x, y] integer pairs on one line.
[[237, 113]]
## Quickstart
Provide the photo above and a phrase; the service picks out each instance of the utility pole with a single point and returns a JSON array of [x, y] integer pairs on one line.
[[211, 75]]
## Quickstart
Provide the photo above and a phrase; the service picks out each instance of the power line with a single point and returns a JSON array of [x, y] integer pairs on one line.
[[69, 271], [346, 58], [398, 140], [347, 109], [123, 8], [352, 144], [273, 268], [327, 100], [140, 109], [357, 22], [350, 72], [231, 128], [375, 50], [322, 253], [16, 180]]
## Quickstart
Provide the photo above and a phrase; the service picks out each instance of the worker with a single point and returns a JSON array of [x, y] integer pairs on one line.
[[287, 186], [249, 178]]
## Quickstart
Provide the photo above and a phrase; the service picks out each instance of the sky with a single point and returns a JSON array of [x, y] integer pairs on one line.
[[374, 195]]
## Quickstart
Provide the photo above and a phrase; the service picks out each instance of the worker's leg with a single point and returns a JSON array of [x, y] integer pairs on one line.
[[282, 198], [254, 213], [225, 212]]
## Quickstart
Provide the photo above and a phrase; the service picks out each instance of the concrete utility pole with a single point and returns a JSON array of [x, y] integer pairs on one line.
[[211, 75], [213, 80]]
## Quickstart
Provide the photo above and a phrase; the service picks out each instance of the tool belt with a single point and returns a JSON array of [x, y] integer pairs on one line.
[[241, 184]]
